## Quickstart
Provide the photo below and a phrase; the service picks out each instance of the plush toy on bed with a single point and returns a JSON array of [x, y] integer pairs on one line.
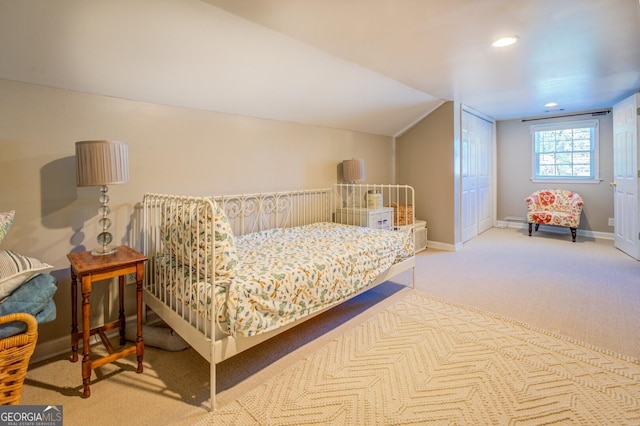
[[23, 285]]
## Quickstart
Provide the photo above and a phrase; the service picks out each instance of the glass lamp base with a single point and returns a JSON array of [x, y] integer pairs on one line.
[[104, 238], [102, 251]]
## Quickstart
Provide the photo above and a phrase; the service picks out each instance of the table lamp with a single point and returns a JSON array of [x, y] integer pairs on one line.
[[102, 163], [352, 172]]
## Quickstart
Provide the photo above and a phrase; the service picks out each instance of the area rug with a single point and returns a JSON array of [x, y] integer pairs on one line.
[[426, 361]]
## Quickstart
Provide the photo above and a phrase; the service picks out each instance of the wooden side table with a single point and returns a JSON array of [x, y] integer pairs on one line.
[[89, 269]]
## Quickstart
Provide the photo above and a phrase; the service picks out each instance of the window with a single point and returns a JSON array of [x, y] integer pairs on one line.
[[564, 152]]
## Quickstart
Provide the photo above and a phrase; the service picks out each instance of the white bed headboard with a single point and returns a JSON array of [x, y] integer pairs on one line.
[[249, 213], [258, 212]]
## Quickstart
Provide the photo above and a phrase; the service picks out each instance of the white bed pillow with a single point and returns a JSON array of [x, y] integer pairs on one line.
[[16, 269], [6, 219]]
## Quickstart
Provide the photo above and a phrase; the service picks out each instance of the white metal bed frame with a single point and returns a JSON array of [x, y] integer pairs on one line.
[[247, 213]]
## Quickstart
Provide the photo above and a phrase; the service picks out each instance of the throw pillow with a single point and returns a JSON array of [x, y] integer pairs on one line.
[[188, 233], [6, 219], [15, 269]]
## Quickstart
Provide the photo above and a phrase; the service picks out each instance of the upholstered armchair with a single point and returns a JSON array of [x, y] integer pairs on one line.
[[557, 207]]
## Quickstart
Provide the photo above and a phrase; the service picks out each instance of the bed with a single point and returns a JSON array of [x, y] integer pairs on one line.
[[229, 272]]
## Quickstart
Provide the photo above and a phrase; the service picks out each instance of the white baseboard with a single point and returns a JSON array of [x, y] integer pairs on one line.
[[520, 225], [51, 349], [61, 345], [441, 246]]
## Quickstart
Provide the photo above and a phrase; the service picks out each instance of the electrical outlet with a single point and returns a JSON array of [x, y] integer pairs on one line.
[[612, 222], [130, 278]]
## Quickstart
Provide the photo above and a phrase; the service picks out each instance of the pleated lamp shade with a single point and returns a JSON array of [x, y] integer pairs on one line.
[[353, 170], [101, 163]]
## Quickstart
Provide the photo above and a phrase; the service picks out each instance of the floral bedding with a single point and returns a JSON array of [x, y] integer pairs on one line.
[[285, 274]]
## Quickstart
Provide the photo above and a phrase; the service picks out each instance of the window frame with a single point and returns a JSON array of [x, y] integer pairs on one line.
[[566, 125]]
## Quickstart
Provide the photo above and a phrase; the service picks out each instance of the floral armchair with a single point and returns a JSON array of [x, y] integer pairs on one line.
[[557, 207]]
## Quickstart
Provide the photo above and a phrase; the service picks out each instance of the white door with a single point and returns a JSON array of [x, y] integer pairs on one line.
[[626, 175], [475, 170]]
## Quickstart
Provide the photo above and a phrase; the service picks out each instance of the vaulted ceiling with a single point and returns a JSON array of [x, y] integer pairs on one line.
[[375, 66], [582, 54]]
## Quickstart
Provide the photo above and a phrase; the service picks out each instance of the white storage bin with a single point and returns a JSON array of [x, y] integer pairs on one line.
[[420, 233], [419, 230]]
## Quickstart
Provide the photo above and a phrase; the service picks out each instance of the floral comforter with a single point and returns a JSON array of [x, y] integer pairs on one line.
[[285, 274]]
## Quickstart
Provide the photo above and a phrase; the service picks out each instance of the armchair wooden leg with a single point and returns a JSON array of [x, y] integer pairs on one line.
[[530, 226], [573, 234], [537, 226]]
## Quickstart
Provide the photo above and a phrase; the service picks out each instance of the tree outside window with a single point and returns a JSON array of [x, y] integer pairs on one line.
[[565, 152]]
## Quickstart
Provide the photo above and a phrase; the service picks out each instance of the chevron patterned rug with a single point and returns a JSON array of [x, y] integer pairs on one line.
[[423, 360]]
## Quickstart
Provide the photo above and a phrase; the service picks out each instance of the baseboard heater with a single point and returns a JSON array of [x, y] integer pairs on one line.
[[515, 219]]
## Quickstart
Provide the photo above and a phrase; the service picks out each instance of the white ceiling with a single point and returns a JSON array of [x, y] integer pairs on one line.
[[375, 66], [583, 54]]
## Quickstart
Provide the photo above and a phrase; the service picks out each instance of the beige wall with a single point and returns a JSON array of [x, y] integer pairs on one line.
[[171, 150], [514, 173], [425, 160]]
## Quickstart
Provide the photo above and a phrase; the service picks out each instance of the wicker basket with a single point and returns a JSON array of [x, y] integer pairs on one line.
[[15, 353], [402, 214]]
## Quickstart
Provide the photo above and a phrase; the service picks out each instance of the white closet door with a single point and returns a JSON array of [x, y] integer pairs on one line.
[[485, 192], [476, 175], [469, 176]]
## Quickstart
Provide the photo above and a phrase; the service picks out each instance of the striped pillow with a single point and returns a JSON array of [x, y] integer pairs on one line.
[[16, 269]]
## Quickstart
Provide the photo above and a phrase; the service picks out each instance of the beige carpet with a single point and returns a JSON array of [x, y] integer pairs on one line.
[[425, 360]]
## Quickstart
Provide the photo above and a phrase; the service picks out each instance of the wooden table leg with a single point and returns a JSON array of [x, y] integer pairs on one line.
[[74, 316], [121, 317], [139, 339], [86, 333]]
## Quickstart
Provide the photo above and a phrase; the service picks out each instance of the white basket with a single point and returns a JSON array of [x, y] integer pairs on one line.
[[420, 233]]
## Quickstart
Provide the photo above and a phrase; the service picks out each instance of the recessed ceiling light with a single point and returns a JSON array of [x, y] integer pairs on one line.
[[551, 104], [505, 41]]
